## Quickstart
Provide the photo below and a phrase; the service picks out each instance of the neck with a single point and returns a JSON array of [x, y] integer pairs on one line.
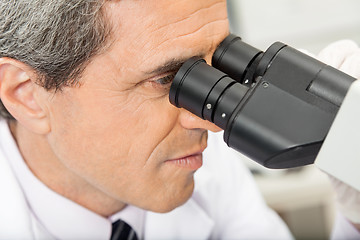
[[44, 164]]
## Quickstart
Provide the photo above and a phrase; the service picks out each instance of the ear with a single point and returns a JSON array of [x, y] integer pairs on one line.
[[21, 95]]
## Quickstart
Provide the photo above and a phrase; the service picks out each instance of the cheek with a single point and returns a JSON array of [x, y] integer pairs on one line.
[[104, 132], [144, 124], [115, 147]]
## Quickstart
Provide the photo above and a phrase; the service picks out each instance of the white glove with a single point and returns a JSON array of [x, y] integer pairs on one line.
[[348, 200], [345, 55]]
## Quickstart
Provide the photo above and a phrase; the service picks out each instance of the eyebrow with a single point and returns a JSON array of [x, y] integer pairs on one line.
[[172, 65]]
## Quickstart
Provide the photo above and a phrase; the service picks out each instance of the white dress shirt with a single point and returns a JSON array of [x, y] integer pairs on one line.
[[225, 205], [56, 215]]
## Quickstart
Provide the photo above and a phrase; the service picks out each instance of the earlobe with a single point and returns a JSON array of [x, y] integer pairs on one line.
[[20, 95]]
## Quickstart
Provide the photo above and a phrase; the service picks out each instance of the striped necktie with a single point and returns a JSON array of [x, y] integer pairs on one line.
[[122, 231]]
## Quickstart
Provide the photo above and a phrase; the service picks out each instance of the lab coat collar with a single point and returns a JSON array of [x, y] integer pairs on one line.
[[188, 221]]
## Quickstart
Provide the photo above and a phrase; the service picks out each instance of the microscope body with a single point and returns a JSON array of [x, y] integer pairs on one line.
[[276, 107], [339, 155], [289, 109]]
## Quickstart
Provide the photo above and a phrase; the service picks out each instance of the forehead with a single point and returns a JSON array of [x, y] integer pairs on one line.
[[154, 31]]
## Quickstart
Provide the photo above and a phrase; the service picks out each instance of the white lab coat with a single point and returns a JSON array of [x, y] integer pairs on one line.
[[225, 205]]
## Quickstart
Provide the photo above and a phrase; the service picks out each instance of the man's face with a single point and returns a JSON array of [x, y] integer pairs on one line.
[[117, 131]]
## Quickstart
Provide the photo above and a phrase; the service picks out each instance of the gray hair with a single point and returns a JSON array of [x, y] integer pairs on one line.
[[56, 38]]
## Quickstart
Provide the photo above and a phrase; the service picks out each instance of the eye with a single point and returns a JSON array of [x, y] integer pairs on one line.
[[166, 80], [160, 85]]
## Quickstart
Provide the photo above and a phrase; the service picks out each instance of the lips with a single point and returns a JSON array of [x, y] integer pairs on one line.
[[190, 162]]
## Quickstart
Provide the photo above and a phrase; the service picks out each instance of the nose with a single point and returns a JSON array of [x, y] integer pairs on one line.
[[191, 121]]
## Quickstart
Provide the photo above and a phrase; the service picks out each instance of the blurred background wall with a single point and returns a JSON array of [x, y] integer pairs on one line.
[[303, 197], [310, 24]]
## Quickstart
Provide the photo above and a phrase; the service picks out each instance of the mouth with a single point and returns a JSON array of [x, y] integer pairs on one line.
[[189, 158], [191, 162]]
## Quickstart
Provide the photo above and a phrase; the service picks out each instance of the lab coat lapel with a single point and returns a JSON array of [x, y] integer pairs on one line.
[[15, 221], [188, 221]]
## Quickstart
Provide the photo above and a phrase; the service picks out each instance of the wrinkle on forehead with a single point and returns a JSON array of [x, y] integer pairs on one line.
[[206, 20], [153, 30], [193, 13]]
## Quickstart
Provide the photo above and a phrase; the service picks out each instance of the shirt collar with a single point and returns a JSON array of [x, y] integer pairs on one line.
[[61, 217]]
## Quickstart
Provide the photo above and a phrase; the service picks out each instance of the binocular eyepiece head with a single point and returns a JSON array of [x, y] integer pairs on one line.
[[213, 93], [206, 91], [276, 106]]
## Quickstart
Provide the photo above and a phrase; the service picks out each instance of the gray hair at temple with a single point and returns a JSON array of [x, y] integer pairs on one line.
[[55, 38]]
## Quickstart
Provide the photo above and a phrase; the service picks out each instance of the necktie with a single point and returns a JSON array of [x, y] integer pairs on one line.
[[122, 231]]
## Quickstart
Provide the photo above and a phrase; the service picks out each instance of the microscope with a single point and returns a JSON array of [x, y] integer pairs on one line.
[[281, 108]]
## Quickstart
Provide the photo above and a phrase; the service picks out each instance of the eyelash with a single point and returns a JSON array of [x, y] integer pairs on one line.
[[166, 80]]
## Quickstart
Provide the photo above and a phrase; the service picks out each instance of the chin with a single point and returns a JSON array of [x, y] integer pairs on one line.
[[169, 203]]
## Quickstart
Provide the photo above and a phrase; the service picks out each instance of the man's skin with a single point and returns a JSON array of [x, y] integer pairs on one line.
[[106, 142]]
